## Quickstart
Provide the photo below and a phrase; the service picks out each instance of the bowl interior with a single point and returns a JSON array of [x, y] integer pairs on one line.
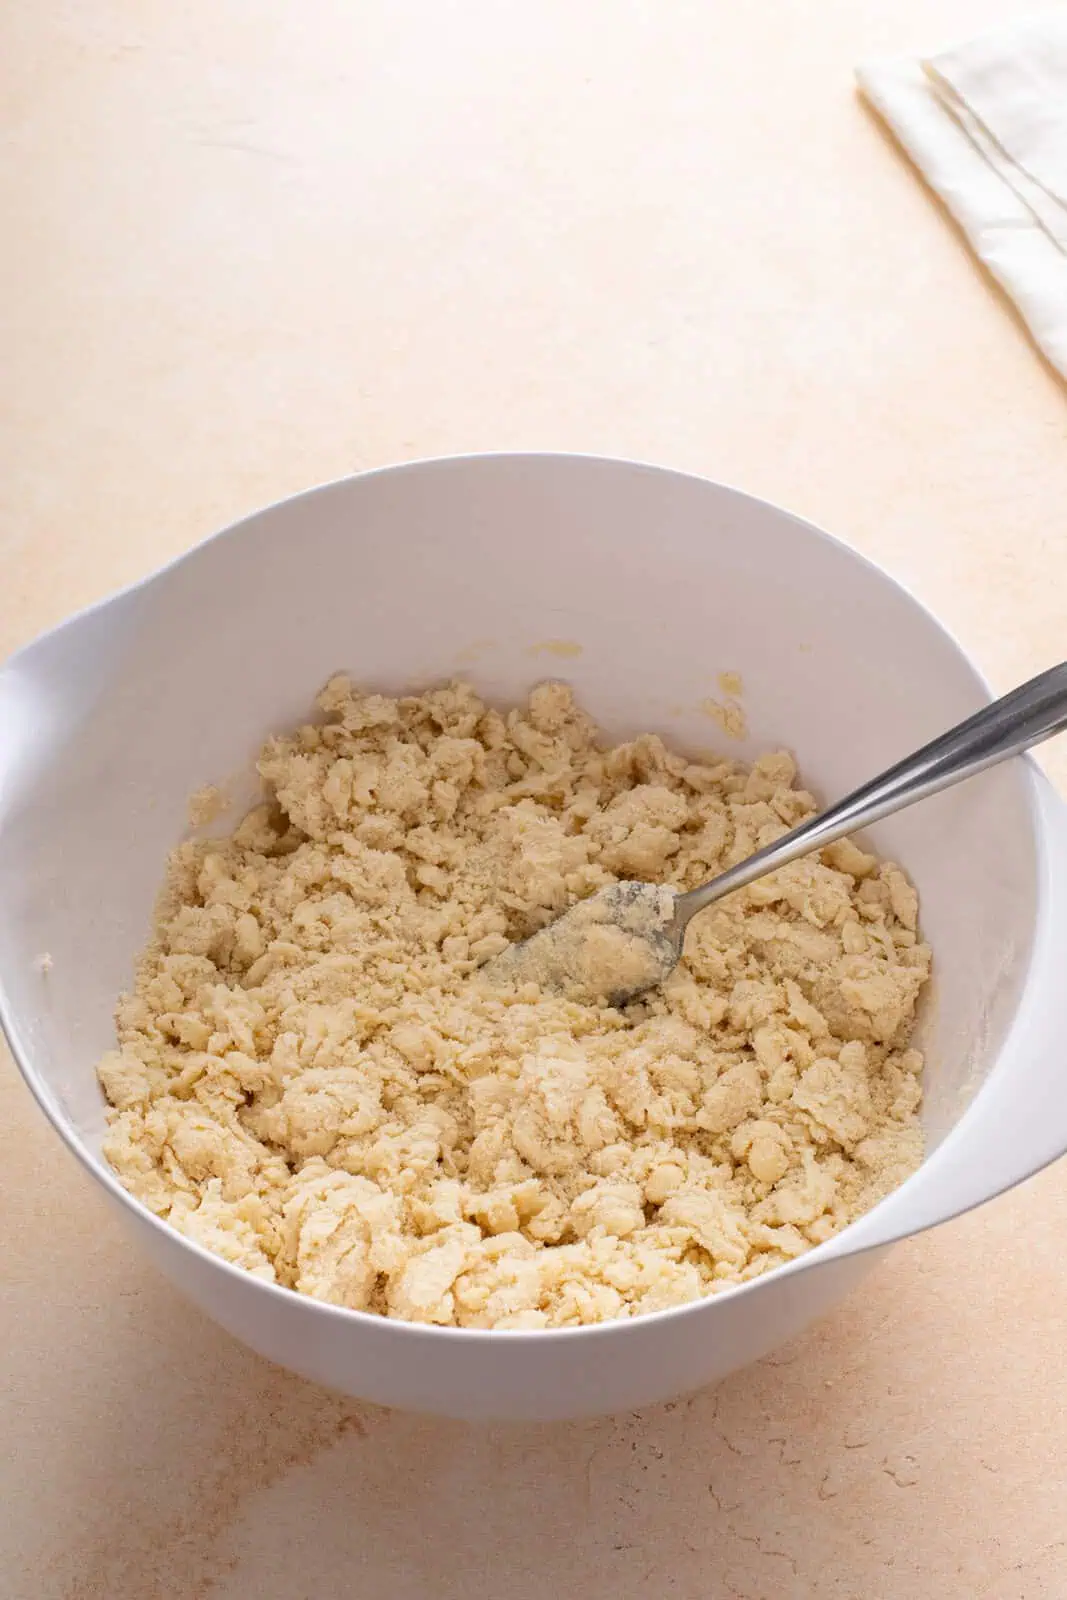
[[638, 586]]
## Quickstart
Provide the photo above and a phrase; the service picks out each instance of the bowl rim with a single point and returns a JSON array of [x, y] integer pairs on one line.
[[841, 1245]]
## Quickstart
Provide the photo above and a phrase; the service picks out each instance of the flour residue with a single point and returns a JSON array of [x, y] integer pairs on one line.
[[562, 649]]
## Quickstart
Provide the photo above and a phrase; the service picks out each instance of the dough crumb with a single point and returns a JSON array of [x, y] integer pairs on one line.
[[313, 1079], [206, 805], [728, 714]]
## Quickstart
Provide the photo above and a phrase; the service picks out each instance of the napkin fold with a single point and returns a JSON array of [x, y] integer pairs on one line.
[[986, 124]]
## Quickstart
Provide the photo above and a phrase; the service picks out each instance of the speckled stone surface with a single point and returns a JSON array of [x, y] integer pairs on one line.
[[253, 245]]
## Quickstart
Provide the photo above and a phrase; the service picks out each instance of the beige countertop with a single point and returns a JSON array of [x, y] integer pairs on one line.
[[252, 245]]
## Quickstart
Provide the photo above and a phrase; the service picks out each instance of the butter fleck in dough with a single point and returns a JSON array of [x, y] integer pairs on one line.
[[314, 1081]]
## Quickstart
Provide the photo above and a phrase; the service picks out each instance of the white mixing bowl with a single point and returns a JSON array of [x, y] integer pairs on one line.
[[491, 567]]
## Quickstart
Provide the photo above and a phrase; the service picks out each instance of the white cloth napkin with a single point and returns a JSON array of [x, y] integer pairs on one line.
[[986, 124]]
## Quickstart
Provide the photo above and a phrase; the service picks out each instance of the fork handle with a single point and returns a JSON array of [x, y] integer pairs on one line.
[[1025, 717]]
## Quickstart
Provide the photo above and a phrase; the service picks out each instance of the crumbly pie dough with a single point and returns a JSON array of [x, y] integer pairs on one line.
[[315, 1081]]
